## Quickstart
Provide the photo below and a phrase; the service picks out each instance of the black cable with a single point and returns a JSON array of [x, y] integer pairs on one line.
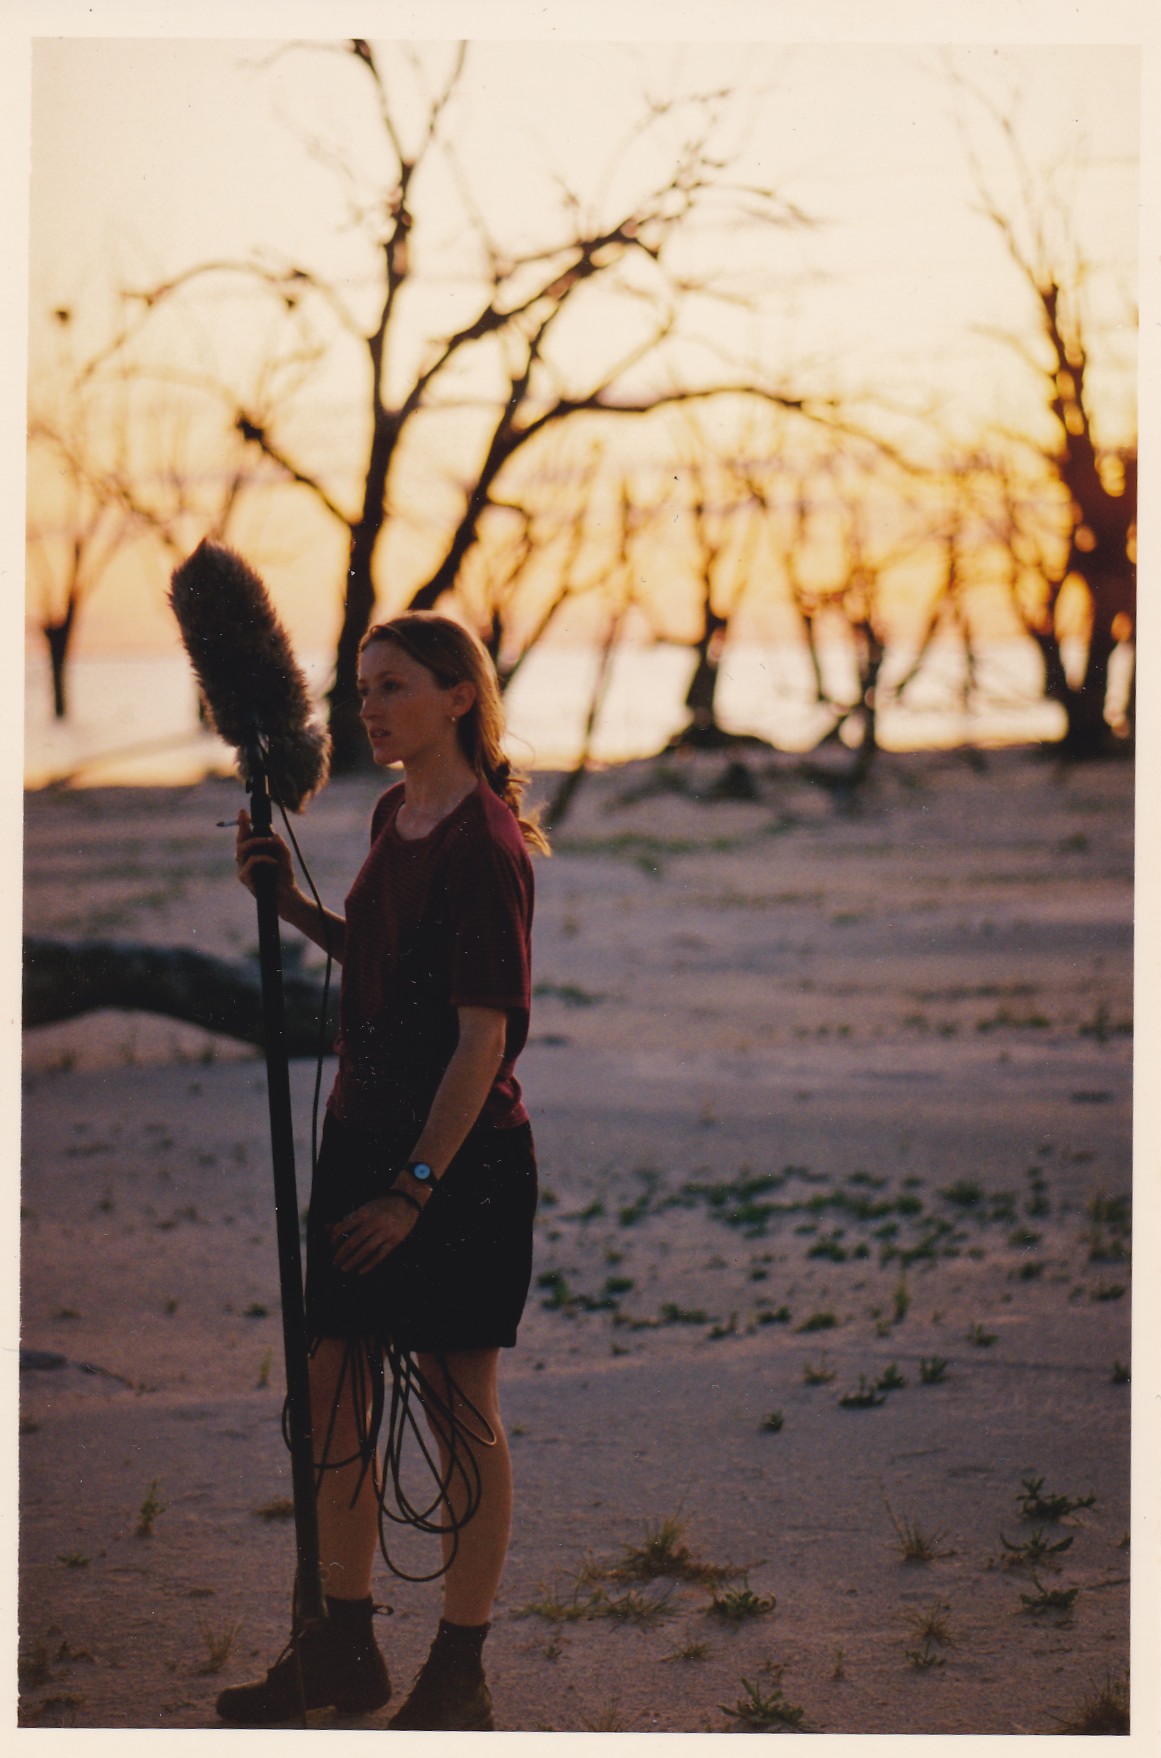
[[362, 1376], [322, 1021]]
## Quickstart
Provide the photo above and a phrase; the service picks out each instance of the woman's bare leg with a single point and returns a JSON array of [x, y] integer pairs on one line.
[[338, 1664], [473, 1576], [347, 1535]]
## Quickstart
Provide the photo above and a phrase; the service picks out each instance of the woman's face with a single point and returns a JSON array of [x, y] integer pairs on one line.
[[407, 712]]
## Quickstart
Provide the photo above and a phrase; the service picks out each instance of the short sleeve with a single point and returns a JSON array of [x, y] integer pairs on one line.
[[490, 906]]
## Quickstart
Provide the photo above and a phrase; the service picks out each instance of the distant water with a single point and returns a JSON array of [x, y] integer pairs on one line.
[[134, 720]]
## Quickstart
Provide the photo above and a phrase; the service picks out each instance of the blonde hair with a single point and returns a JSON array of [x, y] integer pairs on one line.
[[454, 655]]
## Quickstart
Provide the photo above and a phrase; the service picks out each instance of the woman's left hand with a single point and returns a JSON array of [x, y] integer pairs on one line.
[[364, 1238]]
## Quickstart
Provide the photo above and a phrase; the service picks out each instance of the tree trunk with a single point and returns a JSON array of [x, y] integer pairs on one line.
[[703, 732], [1056, 685], [1089, 733], [349, 748], [58, 636], [871, 667], [66, 978], [701, 696]]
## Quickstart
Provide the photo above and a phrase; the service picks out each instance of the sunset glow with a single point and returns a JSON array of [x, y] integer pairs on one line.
[[844, 236], [149, 157]]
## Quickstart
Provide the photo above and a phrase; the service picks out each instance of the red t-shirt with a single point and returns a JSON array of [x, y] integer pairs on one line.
[[433, 924]]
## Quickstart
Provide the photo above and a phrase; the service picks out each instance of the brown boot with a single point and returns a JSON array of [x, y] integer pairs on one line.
[[342, 1669], [450, 1691]]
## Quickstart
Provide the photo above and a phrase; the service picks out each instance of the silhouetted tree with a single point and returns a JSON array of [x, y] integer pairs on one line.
[[107, 467], [705, 506], [840, 533], [1088, 489], [512, 332], [538, 551], [719, 517], [77, 528], [68, 552], [620, 594]]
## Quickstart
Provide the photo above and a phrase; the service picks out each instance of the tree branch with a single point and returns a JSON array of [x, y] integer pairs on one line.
[[64, 979], [255, 434]]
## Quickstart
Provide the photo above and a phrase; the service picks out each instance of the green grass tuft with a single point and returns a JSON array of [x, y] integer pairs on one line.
[[916, 1544], [281, 1508], [1103, 1709], [1035, 1505], [765, 1709], [864, 1397], [631, 1607], [555, 1609], [1035, 1550], [737, 1605], [217, 1644], [932, 1633], [150, 1511], [664, 1554], [1048, 1599]]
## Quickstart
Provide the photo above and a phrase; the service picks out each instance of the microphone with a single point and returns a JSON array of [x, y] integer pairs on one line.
[[252, 685], [258, 701]]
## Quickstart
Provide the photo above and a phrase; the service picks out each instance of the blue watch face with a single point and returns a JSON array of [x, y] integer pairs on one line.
[[421, 1170]]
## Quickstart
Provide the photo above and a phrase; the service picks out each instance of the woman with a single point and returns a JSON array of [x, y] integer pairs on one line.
[[425, 1112]]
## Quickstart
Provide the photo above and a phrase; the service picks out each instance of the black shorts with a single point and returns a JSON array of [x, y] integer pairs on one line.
[[460, 1278]]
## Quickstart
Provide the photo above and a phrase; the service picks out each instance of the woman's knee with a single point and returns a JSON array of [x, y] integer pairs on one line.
[[464, 1385], [340, 1383]]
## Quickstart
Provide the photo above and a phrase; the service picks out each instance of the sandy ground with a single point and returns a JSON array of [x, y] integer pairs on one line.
[[822, 1098]]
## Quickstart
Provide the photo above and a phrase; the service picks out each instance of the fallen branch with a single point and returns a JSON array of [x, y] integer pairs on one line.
[[64, 979]]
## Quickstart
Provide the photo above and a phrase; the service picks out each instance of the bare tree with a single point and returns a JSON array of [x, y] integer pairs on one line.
[[620, 595], [537, 552], [68, 552], [79, 526], [760, 511], [841, 534], [1082, 528], [720, 517], [513, 333], [116, 455], [706, 502], [175, 501]]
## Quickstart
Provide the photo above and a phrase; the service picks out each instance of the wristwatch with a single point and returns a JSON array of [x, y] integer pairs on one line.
[[423, 1176]]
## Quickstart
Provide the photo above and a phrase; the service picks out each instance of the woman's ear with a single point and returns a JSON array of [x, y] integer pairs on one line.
[[462, 696]]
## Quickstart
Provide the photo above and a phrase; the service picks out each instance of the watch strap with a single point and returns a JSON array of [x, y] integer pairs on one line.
[[407, 1198]]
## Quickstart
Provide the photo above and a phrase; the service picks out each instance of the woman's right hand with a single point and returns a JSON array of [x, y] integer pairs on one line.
[[251, 852]]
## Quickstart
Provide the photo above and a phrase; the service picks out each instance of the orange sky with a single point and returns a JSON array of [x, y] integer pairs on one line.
[[149, 154]]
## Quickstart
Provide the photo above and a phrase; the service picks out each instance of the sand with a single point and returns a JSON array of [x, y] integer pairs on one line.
[[817, 1093]]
